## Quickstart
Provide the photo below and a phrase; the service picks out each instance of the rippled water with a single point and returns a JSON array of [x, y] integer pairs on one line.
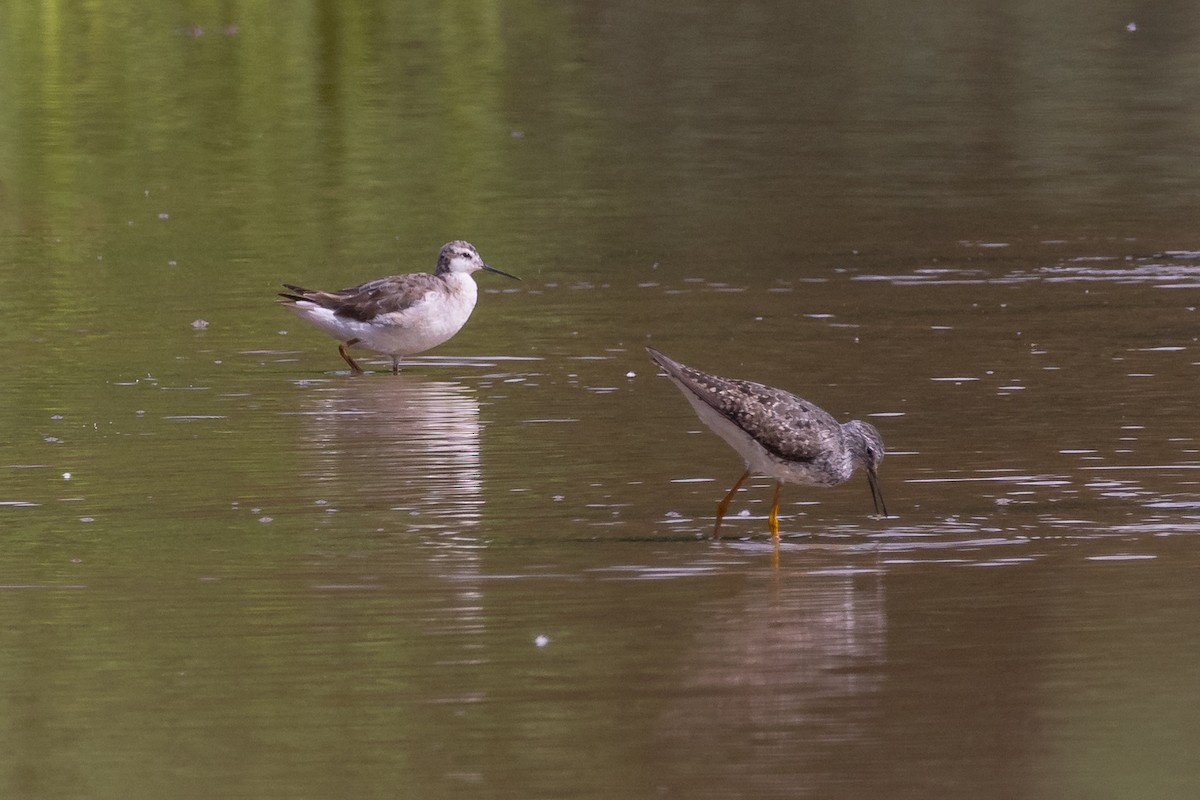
[[229, 568]]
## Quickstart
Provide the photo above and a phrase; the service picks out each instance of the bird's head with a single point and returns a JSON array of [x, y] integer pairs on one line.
[[460, 256], [866, 449]]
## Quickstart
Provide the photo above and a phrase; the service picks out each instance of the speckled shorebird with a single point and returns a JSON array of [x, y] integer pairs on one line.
[[400, 315], [778, 434]]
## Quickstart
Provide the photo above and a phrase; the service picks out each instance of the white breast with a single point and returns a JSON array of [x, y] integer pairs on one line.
[[425, 324]]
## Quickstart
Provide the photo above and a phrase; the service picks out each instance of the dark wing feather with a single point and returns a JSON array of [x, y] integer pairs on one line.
[[386, 295], [373, 298], [785, 425]]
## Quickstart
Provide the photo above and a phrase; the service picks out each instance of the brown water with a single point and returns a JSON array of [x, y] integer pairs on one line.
[[229, 569]]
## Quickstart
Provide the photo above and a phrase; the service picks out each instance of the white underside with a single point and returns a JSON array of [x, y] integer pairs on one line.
[[424, 325]]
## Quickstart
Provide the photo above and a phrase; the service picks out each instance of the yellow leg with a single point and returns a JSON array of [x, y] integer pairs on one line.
[[773, 520], [723, 506], [353, 365]]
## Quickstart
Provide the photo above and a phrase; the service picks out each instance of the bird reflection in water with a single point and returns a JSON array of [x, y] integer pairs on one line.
[[796, 660], [409, 445], [401, 457]]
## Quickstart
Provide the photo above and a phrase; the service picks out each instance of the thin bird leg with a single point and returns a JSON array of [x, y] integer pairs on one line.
[[773, 520], [353, 365], [395, 365], [723, 506]]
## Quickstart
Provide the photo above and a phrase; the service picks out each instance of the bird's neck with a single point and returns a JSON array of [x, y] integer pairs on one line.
[[460, 283]]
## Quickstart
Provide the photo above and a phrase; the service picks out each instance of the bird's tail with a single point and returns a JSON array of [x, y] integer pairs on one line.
[[296, 295]]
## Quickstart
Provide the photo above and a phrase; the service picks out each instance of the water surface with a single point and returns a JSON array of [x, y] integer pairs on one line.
[[229, 568]]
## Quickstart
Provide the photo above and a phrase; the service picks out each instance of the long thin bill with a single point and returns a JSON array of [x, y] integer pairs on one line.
[[500, 272], [876, 494]]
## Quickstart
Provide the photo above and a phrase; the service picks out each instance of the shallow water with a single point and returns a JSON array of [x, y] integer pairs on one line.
[[229, 568]]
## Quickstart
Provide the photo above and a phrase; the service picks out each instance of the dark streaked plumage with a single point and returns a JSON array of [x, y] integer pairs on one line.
[[778, 434], [400, 315]]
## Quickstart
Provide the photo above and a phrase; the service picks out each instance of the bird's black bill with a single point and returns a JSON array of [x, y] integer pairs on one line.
[[500, 272], [876, 494]]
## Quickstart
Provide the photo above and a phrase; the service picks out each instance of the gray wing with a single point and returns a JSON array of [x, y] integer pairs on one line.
[[374, 298], [785, 425]]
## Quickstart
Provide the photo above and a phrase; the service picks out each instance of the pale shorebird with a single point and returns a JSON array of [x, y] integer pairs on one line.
[[400, 315], [778, 434]]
